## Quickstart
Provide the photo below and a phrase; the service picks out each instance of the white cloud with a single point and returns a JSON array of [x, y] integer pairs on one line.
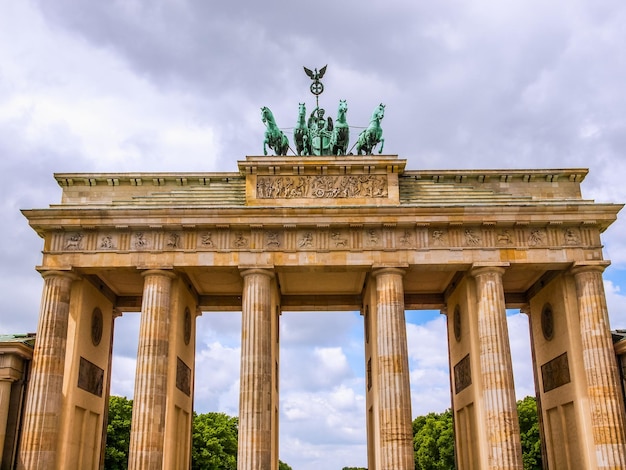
[[616, 304], [519, 339]]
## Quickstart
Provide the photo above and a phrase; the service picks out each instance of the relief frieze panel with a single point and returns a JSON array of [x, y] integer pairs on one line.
[[472, 237], [141, 241], [107, 242], [555, 373], [225, 238], [322, 186], [462, 374], [406, 239], [90, 377], [439, 237], [74, 241], [505, 237]]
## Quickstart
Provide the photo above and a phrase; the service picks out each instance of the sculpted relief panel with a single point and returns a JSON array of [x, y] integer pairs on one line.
[[321, 237], [321, 186]]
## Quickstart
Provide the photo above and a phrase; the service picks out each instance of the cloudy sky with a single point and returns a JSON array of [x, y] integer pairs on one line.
[[177, 85]]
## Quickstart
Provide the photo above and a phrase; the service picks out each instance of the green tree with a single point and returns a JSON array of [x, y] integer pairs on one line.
[[433, 438], [433, 441], [214, 442], [214, 439], [118, 433], [529, 432]]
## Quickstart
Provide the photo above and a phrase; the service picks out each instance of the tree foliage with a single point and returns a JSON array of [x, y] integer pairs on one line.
[[529, 431], [433, 441], [214, 442], [214, 439], [118, 433], [433, 438]]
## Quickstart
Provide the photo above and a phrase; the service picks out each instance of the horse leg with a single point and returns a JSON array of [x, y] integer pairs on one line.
[[382, 144], [265, 142]]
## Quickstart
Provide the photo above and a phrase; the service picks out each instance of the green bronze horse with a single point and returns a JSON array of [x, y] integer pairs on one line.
[[370, 137], [274, 137], [301, 132], [341, 132]]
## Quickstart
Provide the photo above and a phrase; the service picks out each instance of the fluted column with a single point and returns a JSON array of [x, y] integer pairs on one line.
[[38, 446], [147, 430], [605, 399], [255, 412], [5, 400], [498, 394], [396, 433]]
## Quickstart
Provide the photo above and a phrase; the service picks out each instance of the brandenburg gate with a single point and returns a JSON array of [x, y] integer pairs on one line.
[[325, 233]]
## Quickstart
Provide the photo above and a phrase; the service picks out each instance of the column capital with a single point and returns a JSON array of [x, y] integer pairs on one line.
[[378, 270], [264, 270], [45, 273], [484, 268], [589, 266], [159, 272]]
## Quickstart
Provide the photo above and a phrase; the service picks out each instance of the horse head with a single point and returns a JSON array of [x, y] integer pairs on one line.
[[266, 115], [302, 109], [343, 108], [380, 111]]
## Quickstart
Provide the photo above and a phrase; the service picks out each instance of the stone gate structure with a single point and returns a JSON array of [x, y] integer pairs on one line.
[[325, 233]]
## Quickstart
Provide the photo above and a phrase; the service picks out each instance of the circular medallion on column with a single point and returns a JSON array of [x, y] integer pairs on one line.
[[187, 326], [457, 323], [547, 322], [96, 326]]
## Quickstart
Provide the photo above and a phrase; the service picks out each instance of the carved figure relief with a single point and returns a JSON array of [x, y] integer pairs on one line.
[[173, 240], [571, 237], [321, 186], [140, 241], [471, 238], [240, 240], [206, 240], [183, 377], [406, 239], [439, 237], [555, 373], [272, 240], [462, 374], [339, 242], [106, 242], [74, 242], [373, 238], [90, 377], [536, 237], [306, 241], [504, 237]]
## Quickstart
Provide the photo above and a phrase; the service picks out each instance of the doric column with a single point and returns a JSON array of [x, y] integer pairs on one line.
[[605, 400], [255, 393], [498, 389], [38, 446], [396, 433], [147, 430]]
